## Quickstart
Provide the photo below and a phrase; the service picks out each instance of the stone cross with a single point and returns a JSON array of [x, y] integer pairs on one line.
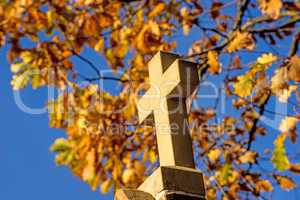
[[172, 81]]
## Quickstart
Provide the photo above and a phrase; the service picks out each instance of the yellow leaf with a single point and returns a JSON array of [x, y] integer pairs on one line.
[[89, 170], [157, 10], [121, 50], [17, 67], [139, 17], [214, 66], [20, 81], [243, 87], [248, 157], [279, 157], [26, 57], [99, 45], [105, 186], [288, 123], [242, 40], [264, 185], [154, 27], [152, 156], [214, 154], [224, 174], [285, 182], [128, 176], [270, 7], [139, 167], [60, 144], [36, 79], [266, 59], [81, 122], [117, 170]]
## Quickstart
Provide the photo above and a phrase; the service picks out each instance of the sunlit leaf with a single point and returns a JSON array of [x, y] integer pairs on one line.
[[243, 87], [285, 182], [279, 157]]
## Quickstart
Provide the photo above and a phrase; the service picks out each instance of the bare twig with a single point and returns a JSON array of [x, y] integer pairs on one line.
[[242, 9]]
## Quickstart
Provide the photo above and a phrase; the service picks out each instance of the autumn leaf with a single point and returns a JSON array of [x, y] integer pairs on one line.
[[243, 87], [157, 10], [60, 144], [21, 80], [17, 67], [214, 154], [295, 168], [105, 186], [241, 40], [152, 156], [279, 157], [224, 174], [99, 45], [215, 9], [288, 123], [279, 83], [89, 170], [214, 66], [264, 185], [128, 176], [285, 182], [270, 7], [294, 69], [248, 157], [267, 59]]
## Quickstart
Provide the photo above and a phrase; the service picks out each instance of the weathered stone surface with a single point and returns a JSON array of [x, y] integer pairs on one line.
[[130, 194], [172, 81], [178, 196], [176, 181]]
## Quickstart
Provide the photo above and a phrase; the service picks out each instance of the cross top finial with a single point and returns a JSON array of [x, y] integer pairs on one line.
[[172, 81]]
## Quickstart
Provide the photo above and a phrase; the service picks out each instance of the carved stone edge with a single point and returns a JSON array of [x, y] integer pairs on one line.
[[175, 180], [177, 195], [132, 194]]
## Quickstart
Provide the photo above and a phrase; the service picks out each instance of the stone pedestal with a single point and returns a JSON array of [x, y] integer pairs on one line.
[[175, 183]]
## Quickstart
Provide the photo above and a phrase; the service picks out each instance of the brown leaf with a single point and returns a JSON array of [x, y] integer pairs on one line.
[[157, 10], [294, 69], [248, 157], [215, 9], [285, 182], [241, 40], [270, 7], [264, 185], [295, 168]]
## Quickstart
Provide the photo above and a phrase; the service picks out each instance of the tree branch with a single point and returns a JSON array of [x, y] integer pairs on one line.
[[242, 9]]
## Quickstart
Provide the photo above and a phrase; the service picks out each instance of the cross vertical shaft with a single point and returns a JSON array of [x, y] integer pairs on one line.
[[172, 81]]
